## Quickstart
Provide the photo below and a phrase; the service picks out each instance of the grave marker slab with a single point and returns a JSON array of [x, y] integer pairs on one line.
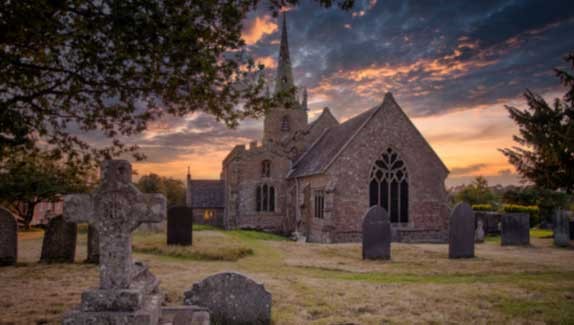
[[461, 232], [515, 229], [8, 238], [376, 234], [232, 299], [179, 226], [59, 244], [479, 231], [128, 292], [561, 229]]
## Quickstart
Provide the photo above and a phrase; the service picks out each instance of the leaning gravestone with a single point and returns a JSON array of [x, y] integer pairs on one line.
[[232, 298], [8, 238], [179, 225], [59, 244], [561, 229], [479, 231], [93, 256], [461, 232], [376, 234], [128, 292], [515, 229]]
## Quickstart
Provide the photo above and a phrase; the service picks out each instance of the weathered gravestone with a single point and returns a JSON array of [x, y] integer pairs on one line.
[[490, 221], [128, 292], [561, 229], [8, 238], [59, 244], [232, 299], [376, 234], [179, 225], [479, 231], [515, 229], [461, 232], [93, 246]]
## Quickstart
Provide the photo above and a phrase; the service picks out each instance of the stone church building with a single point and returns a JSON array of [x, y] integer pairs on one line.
[[320, 178]]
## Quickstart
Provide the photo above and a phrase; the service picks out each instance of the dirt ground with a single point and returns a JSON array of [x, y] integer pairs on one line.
[[329, 283]]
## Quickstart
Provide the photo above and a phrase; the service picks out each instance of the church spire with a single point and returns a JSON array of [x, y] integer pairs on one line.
[[284, 80]]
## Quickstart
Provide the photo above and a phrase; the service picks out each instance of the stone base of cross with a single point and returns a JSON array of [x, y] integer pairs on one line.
[[128, 292]]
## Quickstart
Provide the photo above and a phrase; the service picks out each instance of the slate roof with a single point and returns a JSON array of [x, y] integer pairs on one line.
[[207, 193], [328, 145]]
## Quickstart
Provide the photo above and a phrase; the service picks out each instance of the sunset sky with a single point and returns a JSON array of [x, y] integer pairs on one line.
[[451, 65]]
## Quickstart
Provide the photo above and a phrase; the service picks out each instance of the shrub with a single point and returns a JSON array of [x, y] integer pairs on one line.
[[532, 210], [483, 207]]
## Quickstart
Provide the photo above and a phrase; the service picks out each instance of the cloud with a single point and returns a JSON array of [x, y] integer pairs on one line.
[[257, 28], [467, 169]]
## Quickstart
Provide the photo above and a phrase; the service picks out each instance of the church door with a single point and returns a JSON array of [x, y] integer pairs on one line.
[[389, 186]]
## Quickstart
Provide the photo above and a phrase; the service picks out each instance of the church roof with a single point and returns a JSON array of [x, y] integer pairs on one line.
[[320, 154], [207, 193]]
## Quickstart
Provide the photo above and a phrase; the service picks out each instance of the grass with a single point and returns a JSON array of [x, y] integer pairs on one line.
[[323, 284], [541, 233]]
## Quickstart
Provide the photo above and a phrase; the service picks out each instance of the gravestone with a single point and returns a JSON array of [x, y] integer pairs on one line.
[[179, 225], [8, 238], [59, 244], [461, 232], [490, 220], [479, 231], [376, 234], [515, 229], [232, 299], [571, 230], [561, 229], [128, 292], [93, 255]]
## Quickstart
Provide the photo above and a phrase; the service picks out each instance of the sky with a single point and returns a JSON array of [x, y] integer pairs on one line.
[[451, 65]]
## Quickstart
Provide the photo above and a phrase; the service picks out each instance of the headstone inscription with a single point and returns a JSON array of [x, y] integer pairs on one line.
[[179, 225], [128, 292], [515, 229], [232, 299], [8, 238], [461, 232], [376, 234], [561, 229], [59, 244], [93, 255]]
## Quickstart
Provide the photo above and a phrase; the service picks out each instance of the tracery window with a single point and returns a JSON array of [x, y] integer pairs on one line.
[[285, 123], [389, 186], [265, 198], [266, 168]]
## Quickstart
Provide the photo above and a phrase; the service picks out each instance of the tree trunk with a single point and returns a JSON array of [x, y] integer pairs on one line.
[[29, 215]]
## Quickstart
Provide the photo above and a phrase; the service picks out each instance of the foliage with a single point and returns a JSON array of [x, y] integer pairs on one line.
[[173, 189], [527, 195], [532, 211], [30, 179], [71, 67], [541, 233], [483, 207], [476, 193], [544, 153]]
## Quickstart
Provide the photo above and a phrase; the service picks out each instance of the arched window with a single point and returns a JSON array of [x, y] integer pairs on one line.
[[266, 168], [389, 186], [285, 123], [265, 198]]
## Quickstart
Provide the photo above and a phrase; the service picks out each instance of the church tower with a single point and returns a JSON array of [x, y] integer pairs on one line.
[[292, 116]]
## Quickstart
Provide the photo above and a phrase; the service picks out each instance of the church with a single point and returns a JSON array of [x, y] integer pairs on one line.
[[319, 178]]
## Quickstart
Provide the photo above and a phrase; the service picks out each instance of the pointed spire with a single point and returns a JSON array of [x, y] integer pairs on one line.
[[284, 80], [188, 174]]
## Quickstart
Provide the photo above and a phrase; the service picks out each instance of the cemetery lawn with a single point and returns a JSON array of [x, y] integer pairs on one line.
[[322, 283]]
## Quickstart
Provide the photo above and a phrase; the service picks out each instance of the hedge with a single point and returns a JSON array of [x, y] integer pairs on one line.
[[483, 207], [532, 210]]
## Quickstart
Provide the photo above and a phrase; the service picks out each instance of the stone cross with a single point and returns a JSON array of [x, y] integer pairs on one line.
[[115, 208]]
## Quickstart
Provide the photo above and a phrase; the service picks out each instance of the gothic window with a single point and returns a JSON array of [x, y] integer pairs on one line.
[[285, 123], [389, 186], [319, 204], [265, 198], [266, 168]]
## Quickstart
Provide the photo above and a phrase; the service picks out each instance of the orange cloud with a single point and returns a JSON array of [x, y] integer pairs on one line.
[[258, 28], [268, 61]]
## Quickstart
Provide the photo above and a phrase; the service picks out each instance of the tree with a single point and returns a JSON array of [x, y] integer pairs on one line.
[[477, 192], [73, 66], [545, 151], [173, 189], [30, 179]]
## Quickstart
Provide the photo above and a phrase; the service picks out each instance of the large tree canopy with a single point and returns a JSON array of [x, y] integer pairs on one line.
[[72, 66], [545, 151]]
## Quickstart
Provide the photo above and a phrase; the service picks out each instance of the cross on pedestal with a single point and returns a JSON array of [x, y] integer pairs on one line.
[[115, 208]]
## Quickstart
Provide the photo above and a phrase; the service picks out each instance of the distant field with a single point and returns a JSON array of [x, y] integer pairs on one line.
[[323, 284]]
